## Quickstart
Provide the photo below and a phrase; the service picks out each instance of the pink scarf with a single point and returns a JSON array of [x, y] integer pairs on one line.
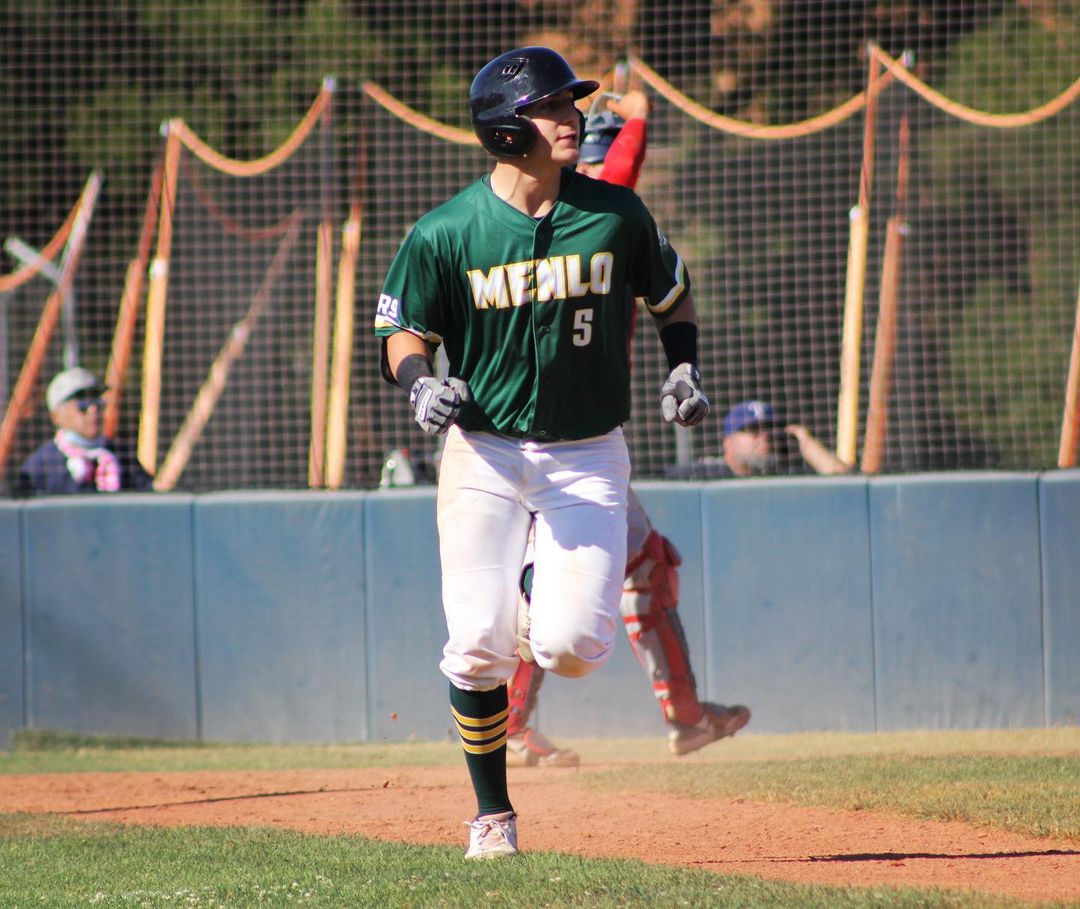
[[84, 463]]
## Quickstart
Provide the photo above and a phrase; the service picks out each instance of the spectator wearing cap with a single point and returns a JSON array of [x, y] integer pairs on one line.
[[78, 459], [757, 443]]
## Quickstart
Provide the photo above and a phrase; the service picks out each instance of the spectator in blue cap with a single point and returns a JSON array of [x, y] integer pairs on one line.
[[757, 443]]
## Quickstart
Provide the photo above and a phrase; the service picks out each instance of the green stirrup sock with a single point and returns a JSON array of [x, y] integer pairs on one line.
[[481, 718]]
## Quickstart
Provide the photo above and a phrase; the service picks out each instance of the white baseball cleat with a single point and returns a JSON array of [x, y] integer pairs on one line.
[[493, 836], [718, 722], [530, 748]]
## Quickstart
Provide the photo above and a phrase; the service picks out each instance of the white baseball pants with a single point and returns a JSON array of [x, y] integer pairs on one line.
[[491, 490]]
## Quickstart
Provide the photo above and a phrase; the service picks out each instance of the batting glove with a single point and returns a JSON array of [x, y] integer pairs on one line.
[[437, 403], [681, 399]]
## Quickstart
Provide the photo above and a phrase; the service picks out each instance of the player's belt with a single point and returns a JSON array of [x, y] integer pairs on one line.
[[523, 436], [546, 438]]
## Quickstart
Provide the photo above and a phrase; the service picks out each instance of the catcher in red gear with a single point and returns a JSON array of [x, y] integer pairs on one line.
[[613, 149]]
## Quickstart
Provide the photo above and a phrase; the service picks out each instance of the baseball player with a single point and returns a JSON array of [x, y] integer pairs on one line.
[[522, 278], [613, 150]]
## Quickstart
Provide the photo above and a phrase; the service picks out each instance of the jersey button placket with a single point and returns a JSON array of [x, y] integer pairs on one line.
[[542, 235]]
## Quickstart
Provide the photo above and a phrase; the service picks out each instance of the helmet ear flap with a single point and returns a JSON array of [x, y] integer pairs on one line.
[[515, 138], [509, 138]]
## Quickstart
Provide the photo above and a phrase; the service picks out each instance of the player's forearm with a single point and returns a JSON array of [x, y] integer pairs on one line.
[[679, 334], [404, 344]]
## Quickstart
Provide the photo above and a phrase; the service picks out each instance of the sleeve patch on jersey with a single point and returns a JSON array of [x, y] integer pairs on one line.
[[388, 312], [388, 315]]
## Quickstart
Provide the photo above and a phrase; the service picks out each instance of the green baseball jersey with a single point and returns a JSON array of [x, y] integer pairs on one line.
[[533, 312]]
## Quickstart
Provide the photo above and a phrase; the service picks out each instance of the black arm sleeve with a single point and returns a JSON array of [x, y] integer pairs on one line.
[[413, 367], [679, 340]]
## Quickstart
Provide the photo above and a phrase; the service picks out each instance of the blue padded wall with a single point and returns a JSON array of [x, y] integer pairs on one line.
[[957, 602], [109, 611], [940, 601], [11, 622], [617, 699], [281, 640], [787, 589], [408, 696], [1059, 513]]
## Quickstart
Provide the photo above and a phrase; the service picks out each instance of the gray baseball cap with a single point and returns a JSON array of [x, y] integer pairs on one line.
[[600, 131], [69, 383]]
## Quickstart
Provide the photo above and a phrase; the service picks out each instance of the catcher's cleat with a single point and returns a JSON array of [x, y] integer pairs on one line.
[[718, 722], [530, 748], [493, 836]]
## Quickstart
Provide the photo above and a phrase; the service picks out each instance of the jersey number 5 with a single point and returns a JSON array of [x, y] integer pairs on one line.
[[583, 327]]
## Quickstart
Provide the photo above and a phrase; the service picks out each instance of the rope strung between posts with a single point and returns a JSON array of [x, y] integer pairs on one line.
[[228, 224], [418, 120], [268, 162], [743, 128], [970, 114], [894, 69]]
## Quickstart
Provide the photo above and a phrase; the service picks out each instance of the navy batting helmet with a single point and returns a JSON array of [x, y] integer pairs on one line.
[[512, 81], [600, 131]]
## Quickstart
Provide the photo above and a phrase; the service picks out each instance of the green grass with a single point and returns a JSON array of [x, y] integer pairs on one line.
[[50, 752], [1018, 780], [52, 863], [1026, 794]]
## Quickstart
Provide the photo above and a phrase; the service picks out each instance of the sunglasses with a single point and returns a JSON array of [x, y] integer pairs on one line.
[[84, 400]]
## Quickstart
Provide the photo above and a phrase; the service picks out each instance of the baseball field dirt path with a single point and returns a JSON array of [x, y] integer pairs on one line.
[[557, 812]]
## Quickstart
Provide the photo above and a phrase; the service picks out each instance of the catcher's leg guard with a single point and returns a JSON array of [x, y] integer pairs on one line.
[[526, 747], [650, 595], [524, 685], [523, 689]]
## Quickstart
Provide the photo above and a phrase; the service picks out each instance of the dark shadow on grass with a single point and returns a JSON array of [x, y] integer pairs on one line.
[[888, 857], [901, 856], [220, 798]]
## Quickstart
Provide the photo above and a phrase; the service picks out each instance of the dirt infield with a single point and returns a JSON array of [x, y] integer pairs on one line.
[[558, 813]]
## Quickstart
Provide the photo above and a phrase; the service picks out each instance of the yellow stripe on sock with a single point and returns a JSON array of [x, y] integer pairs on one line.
[[473, 722], [484, 749], [482, 735]]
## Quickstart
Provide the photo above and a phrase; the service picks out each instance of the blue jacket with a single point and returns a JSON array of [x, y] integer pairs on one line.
[[45, 473]]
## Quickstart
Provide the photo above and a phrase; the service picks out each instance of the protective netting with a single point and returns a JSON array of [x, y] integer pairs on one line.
[[987, 289], [777, 175], [232, 297]]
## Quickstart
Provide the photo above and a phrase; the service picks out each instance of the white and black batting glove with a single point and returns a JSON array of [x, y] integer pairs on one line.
[[437, 403], [681, 399]]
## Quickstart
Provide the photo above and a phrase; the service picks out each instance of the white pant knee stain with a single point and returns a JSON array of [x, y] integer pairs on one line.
[[574, 658]]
